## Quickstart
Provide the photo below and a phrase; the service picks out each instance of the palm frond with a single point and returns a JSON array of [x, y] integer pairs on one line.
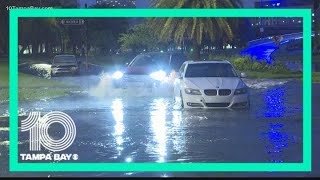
[[195, 28]]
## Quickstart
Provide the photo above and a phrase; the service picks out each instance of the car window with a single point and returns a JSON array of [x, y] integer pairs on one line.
[[150, 60], [210, 70], [182, 69], [177, 60], [64, 59]]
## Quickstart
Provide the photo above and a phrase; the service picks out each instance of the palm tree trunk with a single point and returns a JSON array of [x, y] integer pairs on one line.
[[74, 49], [49, 49], [41, 48], [24, 47], [196, 50], [35, 47], [62, 43], [29, 50]]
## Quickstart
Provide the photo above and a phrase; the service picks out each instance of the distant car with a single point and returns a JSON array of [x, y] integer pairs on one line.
[[148, 69], [211, 84], [65, 64]]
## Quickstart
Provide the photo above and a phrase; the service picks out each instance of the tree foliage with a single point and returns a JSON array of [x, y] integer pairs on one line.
[[195, 29], [140, 37]]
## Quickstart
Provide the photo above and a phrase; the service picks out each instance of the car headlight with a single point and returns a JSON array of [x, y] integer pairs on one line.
[[159, 75], [192, 91], [117, 75], [240, 91]]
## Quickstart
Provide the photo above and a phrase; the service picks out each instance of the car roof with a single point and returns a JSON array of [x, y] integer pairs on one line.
[[65, 55], [209, 62], [168, 53]]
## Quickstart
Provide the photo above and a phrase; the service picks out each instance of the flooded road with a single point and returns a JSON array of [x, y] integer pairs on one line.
[[139, 125]]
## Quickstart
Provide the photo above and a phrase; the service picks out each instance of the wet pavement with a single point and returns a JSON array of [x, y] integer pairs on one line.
[[143, 125]]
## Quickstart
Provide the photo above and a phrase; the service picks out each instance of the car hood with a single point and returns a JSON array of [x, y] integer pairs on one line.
[[213, 82], [64, 64], [142, 70]]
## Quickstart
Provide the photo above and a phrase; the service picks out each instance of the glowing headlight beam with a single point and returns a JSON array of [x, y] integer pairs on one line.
[[159, 75], [117, 75]]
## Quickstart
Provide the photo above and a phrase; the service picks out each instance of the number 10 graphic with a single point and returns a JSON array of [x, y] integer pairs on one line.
[[38, 129]]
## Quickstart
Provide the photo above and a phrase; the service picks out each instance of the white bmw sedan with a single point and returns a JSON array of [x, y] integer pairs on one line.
[[211, 84]]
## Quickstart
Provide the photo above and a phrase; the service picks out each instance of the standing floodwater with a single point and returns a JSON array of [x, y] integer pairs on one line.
[[132, 125]]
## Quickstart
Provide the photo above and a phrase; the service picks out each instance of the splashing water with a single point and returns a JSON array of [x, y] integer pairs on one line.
[[21, 112], [42, 69], [264, 83], [105, 88]]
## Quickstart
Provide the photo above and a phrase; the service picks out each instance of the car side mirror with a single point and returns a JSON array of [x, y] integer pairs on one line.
[[127, 64], [243, 75], [180, 76]]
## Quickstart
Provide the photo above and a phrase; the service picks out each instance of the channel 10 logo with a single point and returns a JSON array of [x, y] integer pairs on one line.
[[38, 129]]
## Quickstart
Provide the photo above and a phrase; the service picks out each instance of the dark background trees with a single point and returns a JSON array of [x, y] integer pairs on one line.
[[47, 35], [4, 17]]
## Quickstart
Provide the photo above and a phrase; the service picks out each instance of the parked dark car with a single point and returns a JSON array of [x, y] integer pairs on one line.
[[65, 64]]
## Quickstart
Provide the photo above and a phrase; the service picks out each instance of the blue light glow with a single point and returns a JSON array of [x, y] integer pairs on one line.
[[277, 141], [263, 48], [261, 53], [274, 100], [276, 116]]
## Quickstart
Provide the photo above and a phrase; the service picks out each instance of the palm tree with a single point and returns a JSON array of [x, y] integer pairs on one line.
[[194, 29]]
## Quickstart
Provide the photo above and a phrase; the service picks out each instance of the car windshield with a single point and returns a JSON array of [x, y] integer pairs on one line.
[[210, 70], [64, 59], [150, 60]]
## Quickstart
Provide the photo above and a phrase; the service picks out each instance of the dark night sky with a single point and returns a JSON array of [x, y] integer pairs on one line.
[[145, 3], [89, 2]]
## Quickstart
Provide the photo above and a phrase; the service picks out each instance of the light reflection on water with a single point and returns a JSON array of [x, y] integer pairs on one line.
[[274, 100], [277, 110], [178, 134], [168, 131], [158, 124], [117, 112], [278, 141]]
